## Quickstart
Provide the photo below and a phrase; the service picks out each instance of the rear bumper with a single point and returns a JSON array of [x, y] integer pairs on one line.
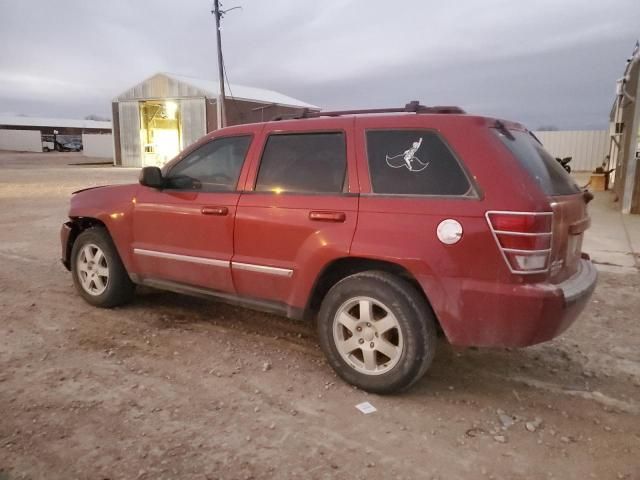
[[508, 315], [581, 285], [65, 232]]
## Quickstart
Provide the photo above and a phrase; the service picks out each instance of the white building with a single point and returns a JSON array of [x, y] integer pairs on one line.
[[34, 134]]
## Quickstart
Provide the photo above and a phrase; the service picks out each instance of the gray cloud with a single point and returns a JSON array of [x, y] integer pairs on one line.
[[543, 62]]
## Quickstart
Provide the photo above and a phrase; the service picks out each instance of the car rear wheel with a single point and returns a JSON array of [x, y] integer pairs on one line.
[[98, 273], [377, 331]]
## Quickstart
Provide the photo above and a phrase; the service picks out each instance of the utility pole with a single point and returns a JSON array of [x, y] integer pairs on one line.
[[221, 99]]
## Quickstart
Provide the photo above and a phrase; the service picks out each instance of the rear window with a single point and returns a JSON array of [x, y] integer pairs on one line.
[[548, 173]]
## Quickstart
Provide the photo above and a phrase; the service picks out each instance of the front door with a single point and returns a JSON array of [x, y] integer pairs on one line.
[[184, 232]]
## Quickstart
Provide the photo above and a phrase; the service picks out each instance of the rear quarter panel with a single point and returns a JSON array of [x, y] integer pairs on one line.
[[402, 229]]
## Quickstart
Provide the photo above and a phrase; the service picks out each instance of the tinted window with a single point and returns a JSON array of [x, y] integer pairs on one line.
[[413, 162], [309, 162], [214, 167], [545, 169]]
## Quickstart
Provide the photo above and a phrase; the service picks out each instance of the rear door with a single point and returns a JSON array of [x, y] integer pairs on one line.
[[570, 218], [184, 232], [298, 211]]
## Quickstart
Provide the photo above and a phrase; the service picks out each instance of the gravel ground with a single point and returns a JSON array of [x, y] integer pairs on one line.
[[172, 387]]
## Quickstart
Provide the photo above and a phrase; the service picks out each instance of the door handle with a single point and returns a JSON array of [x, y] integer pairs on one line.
[[327, 216], [214, 211]]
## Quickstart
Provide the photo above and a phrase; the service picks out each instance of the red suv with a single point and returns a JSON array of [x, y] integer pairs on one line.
[[384, 228]]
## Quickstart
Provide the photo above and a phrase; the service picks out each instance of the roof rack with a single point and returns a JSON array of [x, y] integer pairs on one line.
[[411, 107]]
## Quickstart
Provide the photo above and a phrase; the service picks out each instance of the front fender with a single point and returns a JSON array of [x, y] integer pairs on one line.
[[113, 207]]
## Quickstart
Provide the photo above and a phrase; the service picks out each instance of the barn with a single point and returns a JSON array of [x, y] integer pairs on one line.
[[157, 118]]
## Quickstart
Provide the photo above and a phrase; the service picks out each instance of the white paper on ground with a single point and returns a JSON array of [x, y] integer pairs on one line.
[[366, 407]]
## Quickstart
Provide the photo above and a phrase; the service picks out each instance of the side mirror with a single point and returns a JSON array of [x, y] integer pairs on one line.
[[151, 177]]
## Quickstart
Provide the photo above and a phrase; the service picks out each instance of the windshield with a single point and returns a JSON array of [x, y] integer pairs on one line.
[[529, 152]]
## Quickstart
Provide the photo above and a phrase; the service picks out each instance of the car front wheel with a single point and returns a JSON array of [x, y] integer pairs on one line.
[[377, 331], [98, 273]]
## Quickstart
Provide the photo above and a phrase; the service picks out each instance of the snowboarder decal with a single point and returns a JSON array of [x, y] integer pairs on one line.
[[408, 159]]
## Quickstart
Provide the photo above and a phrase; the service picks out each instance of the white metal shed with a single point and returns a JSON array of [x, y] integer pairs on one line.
[[162, 115]]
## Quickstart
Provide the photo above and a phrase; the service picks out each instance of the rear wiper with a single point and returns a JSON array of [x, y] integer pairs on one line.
[[502, 128], [534, 136]]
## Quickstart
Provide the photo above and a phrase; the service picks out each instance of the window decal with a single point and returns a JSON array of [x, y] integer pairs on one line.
[[396, 156], [408, 159]]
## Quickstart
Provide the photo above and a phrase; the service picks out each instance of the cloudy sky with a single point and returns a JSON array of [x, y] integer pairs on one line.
[[547, 62]]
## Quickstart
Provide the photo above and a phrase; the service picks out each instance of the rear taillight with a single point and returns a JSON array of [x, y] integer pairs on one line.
[[524, 239]]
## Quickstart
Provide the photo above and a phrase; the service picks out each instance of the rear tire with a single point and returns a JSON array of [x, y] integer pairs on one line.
[[377, 332], [98, 273]]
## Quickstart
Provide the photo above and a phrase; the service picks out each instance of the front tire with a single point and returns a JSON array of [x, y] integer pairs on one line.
[[98, 273], [377, 332]]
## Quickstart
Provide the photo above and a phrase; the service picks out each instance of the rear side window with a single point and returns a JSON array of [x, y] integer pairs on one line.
[[303, 163], [548, 173], [413, 162]]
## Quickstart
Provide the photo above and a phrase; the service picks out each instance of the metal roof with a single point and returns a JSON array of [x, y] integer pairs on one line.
[[192, 86], [53, 122]]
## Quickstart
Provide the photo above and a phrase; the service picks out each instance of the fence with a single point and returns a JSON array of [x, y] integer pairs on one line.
[[587, 147]]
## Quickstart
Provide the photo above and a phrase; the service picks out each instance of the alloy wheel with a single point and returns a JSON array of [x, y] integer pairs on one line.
[[93, 270], [367, 335]]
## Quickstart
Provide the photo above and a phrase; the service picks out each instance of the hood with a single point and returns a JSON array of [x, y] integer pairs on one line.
[[89, 188]]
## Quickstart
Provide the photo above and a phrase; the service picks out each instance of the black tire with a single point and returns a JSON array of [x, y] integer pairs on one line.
[[119, 287], [415, 321], [45, 149]]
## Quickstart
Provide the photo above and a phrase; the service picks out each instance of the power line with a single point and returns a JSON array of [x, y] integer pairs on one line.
[[233, 103]]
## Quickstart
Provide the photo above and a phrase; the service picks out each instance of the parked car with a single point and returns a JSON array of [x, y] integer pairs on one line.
[[72, 146], [383, 228]]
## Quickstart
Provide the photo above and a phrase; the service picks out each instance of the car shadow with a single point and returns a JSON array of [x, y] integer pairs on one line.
[[553, 365], [173, 310], [549, 367]]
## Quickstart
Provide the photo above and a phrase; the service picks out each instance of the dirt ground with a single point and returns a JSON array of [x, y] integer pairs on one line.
[[172, 387]]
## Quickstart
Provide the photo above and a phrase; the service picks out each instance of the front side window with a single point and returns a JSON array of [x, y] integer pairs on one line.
[[413, 162], [214, 167], [303, 163]]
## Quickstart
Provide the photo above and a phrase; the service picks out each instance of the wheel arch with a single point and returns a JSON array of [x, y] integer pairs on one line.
[[343, 267], [77, 226]]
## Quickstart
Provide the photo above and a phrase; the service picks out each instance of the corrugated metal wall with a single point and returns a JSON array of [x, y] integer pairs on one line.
[[97, 145], [129, 116], [587, 147], [21, 140], [160, 86], [192, 120]]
